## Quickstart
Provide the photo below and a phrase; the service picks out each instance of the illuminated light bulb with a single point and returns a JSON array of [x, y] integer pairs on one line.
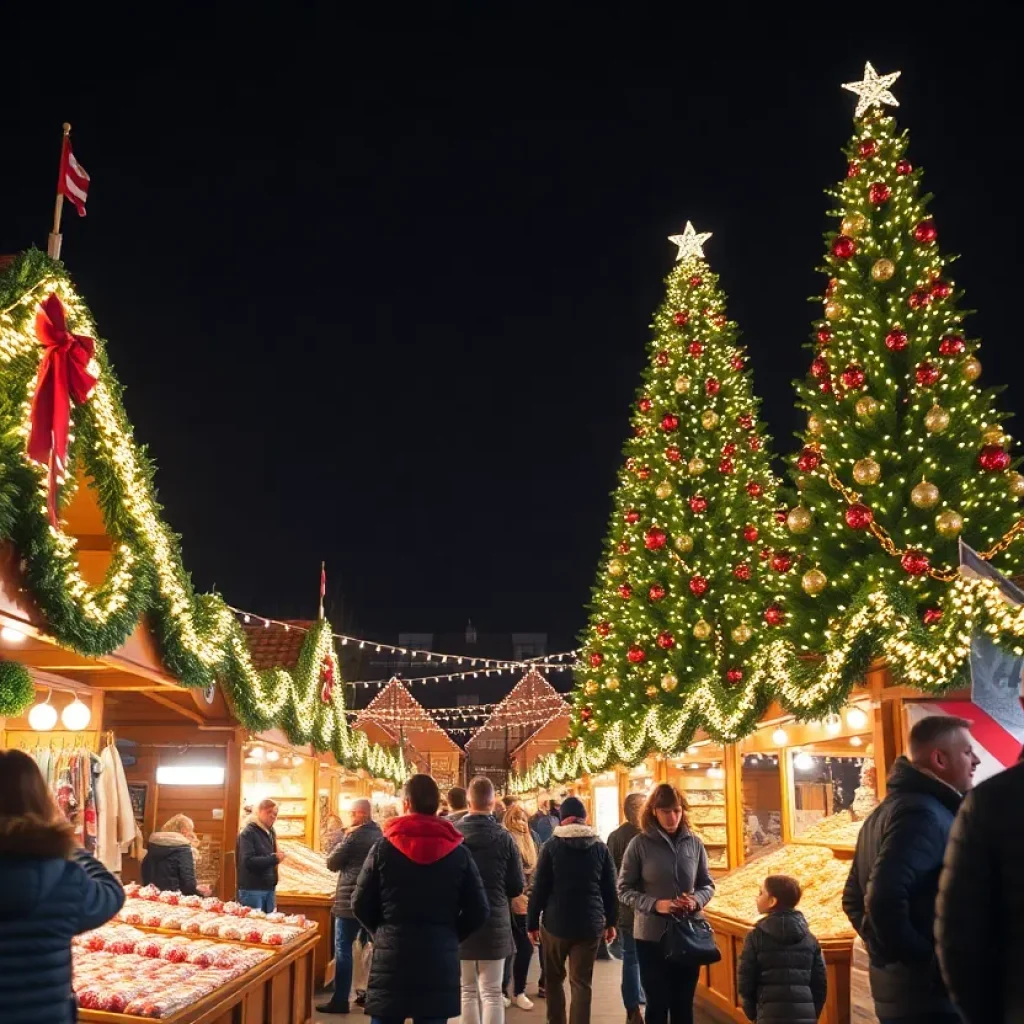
[[12, 635], [272, 755], [803, 761], [692, 749], [780, 737], [856, 718], [833, 724], [76, 716], [256, 753], [43, 717], [716, 771], [856, 741]]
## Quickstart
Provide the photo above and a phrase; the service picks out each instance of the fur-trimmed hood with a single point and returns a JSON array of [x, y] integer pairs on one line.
[[31, 838], [577, 834], [169, 839]]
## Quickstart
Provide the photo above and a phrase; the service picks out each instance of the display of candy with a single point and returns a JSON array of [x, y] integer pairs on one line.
[[131, 889], [190, 901], [836, 830], [172, 896], [148, 892], [107, 936], [304, 871]]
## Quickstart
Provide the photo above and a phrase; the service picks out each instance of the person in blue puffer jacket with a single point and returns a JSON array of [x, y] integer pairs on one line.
[[49, 892]]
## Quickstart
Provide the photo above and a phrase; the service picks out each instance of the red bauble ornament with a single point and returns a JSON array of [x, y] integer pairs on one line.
[[853, 169], [644, 405], [919, 299], [809, 460], [632, 516], [636, 654], [781, 515], [656, 592], [868, 148], [926, 232], [819, 367], [666, 641], [644, 472], [672, 453], [830, 290], [681, 318], [764, 554], [655, 538], [993, 459], [750, 533], [729, 449], [896, 340], [824, 336], [932, 616], [914, 562], [825, 386], [754, 443], [737, 363], [661, 358], [725, 466], [623, 548], [586, 713], [951, 345], [774, 615], [698, 504], [904, 167], [942, 290], [625, 591], [782, 561], [734, 675], [859, 517], [639, 431], [696, 349], [742, 571], [695, 281], [698, 585], [853, 377], [712, 386], [927, 374], [719, 319], [745, 420], [603, 628], [631, 463], [669, 422], [843, 247], [595, 659], [879, 193], [754, 489]]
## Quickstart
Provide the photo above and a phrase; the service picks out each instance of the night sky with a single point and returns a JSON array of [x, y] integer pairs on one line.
[[379, 291]]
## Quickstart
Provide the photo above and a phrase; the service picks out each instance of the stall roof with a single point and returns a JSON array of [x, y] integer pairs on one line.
[[532, 692], [277, 647], [396, 710]]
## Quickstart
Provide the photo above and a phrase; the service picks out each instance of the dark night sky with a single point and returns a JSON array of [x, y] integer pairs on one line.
[[379, 292]]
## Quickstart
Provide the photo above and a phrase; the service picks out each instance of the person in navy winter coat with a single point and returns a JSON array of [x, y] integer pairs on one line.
[[50, 892]]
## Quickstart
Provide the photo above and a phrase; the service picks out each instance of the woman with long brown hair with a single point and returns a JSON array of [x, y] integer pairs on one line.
[[664, 874], [50, 891], [517, 822]]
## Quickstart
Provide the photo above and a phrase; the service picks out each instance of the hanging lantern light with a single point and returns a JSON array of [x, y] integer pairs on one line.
[[856, 718], [780, 737], [76, 716], [43, 717]]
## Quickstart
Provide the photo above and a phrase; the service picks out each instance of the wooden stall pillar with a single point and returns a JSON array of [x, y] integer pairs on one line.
[[733, 764]]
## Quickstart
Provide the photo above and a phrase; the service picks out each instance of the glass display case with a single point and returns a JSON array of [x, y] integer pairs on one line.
[[760, 790], [700, 773]]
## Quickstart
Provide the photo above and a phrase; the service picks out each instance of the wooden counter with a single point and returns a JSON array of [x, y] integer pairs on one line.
[[717, 985], [318, 909], [278, 991]]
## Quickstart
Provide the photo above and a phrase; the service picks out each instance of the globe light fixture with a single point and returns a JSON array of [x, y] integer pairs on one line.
[[780, 737], [76, 716], [43, 717]]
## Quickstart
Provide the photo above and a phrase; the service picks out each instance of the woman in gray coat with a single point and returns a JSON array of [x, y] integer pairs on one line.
[[664, 874]]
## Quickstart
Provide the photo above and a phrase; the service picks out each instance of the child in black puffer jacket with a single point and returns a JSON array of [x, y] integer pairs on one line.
[[782, 971]]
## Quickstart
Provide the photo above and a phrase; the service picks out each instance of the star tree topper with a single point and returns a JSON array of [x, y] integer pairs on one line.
[[873, 90], [691, 244]]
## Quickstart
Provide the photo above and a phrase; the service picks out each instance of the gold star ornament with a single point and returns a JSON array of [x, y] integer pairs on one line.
[[873, 90], [691, 244]]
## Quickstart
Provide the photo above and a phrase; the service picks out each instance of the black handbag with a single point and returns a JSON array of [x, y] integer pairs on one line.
[[689, 941]]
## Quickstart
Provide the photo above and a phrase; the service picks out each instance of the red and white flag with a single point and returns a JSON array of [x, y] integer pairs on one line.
[[74, 180], [323, 586]]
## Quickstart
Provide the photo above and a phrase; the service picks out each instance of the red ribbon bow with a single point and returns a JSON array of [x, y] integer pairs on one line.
[[65, 374], [327, 675]]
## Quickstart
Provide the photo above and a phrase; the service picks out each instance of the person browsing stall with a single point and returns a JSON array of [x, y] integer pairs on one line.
[[257, 857]]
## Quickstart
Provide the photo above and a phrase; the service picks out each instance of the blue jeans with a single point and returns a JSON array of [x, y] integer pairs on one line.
[[258, 899], [632, 991], [345, 931]]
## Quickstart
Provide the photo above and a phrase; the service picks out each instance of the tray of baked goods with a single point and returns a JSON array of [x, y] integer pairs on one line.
[[304, 871]]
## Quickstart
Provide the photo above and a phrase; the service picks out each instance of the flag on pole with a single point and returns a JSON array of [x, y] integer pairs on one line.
[[323, 586], [74, 180]]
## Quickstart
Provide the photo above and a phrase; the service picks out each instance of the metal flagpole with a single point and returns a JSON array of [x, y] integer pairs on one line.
[[53, 244]]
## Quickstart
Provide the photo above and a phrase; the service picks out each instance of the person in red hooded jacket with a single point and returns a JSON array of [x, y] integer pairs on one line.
[[419, 894]]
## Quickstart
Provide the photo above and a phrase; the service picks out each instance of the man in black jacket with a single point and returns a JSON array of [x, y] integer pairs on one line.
[[347, 859], [632, 990], [574, 903], [419, 893], [257, 857], [483, 953], [980, 913], [890, 894]]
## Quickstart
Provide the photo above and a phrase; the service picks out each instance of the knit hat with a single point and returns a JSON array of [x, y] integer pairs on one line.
[[572, 808]]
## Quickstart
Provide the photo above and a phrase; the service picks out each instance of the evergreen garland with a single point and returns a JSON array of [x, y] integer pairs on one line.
[[17, 690]]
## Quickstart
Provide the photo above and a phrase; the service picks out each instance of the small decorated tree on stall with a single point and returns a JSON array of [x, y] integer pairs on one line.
[[903, 452], [692, 562]]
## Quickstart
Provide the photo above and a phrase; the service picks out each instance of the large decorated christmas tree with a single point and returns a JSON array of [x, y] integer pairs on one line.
[[903, 452], [686, 591]]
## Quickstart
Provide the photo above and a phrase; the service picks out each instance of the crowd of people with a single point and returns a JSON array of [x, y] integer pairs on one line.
[[451, 907]]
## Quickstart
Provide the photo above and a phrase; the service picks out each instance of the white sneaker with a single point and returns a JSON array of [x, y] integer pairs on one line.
[[506, 1001], [522, 1002]]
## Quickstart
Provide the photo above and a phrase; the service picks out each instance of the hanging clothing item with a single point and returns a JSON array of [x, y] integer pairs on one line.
[[117, 822]]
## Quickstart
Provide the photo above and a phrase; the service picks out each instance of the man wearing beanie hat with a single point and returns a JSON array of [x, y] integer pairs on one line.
[[573, 906]]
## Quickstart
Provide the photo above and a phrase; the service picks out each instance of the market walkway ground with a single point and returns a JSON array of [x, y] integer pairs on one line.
[[607, 1004]]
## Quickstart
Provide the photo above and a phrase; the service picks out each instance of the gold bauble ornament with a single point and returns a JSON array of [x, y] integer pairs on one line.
[[611, 683], [651, 691], [799, 519], [702, 630], [684, 543], [994, 435], [925, 495], [615, 568], [696, 466], [669, 682], [590, 687], [867, 472], [1017, 485], [815, 424], [971, 369], [936, 419], [949, 523], [709, 419], [882, 270], [663, 490], [866, 407], [592, 726], [814, 581], [682, 384], [742, 633], [854, 224], [833, 310]]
